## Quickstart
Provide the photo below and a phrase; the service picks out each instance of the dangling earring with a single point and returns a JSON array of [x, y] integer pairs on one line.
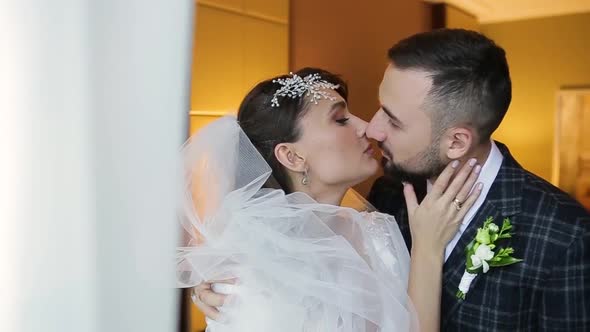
[[305, 180]]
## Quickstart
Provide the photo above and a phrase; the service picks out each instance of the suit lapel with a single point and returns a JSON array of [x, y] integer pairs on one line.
[[503, 201], [455, 266]]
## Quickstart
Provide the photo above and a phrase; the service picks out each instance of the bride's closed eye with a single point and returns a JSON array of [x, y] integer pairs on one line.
[[342, 121]]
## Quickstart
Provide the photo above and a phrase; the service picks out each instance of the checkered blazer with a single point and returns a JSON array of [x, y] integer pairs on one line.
[[550, 289]]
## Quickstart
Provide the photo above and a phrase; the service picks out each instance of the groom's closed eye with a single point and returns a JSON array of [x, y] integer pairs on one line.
[[393, 120]]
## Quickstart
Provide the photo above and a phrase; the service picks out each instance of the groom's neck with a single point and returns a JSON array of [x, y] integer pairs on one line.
[[481, 153]]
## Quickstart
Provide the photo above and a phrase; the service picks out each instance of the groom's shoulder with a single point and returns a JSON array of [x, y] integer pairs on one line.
[[535, 196], [538, 189], [549, 220], [549, 205]]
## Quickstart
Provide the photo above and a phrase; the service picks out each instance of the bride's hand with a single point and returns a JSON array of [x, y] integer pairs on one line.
[[207, 299], [434, 222]]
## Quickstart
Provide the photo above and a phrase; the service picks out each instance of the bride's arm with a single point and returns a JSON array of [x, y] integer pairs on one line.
[[433, 224]]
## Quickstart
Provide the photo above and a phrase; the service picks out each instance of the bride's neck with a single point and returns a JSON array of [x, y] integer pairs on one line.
[[326, 195], [330, 197]]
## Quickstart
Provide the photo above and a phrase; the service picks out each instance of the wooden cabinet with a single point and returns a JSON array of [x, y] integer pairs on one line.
[[571, 159]]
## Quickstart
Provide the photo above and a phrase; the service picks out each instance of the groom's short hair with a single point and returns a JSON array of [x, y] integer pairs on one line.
[[470, 77]]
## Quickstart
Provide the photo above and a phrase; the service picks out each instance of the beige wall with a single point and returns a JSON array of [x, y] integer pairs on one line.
[[457, 18], [237, 44], [544, 55], [351, 38]]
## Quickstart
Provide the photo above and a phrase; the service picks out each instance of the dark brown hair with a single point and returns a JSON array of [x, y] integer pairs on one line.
[[470, 77]]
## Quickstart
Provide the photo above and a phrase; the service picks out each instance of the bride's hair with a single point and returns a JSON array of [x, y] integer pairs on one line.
[[267, 126]]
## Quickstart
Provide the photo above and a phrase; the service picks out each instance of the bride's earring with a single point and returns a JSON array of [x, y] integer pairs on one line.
[[305, 180]]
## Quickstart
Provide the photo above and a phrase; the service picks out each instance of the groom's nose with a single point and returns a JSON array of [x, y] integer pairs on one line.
[[361, 127], [375, 129]]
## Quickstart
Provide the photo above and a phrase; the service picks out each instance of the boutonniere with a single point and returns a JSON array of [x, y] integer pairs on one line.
[[481, 255]]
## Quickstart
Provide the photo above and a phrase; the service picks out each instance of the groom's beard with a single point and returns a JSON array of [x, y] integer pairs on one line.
[[426, 165]]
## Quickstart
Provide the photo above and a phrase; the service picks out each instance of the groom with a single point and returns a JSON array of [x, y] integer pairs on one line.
[[443, 95]]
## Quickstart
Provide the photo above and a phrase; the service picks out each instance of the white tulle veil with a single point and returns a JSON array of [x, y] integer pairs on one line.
[[301, 265]]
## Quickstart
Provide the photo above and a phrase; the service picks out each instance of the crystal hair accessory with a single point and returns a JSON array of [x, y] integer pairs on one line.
[[296, 86]]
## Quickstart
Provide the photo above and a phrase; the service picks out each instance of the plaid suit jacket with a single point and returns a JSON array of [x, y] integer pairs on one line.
[[550, 289]]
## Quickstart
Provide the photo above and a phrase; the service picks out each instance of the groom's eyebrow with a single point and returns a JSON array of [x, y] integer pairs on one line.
[[390, 115]]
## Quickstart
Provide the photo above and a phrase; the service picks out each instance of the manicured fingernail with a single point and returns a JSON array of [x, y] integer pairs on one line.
[[472, 162], [455, 164], [404, 183], [480, 186], [477, 169]]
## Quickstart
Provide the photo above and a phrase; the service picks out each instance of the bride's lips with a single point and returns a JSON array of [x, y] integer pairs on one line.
[[369, 150]]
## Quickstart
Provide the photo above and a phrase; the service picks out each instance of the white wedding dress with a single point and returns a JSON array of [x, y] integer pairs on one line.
[[301, 265]]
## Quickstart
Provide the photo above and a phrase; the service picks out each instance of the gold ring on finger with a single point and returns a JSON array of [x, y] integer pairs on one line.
[[458, 204]]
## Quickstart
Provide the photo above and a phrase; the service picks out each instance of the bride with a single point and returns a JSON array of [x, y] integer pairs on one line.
[[263, 207]]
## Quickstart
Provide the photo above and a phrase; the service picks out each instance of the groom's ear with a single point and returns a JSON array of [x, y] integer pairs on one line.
[[458, 141], [288, 157]]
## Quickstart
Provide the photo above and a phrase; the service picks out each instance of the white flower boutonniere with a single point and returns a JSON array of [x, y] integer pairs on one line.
[[481, 256]]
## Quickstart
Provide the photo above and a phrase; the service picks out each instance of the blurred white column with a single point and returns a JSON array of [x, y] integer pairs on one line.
[[93, 104]]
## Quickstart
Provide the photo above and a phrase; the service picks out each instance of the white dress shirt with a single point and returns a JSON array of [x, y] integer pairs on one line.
[[487, 176]]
